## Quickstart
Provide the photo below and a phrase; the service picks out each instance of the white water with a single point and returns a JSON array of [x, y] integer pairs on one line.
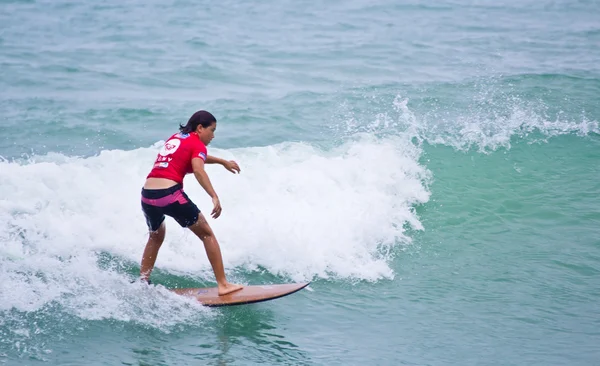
[[295, 210], [489, 125]]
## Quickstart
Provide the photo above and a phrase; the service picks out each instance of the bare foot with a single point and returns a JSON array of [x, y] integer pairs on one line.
[[228, 288]]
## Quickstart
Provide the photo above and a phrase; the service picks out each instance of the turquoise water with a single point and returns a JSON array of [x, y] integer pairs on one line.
[[433, 169]]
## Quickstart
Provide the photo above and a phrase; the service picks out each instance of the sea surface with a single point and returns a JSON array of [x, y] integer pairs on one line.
[[432, 167]]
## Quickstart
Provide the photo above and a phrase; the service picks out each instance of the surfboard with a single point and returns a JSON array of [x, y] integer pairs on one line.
[[209, 296]]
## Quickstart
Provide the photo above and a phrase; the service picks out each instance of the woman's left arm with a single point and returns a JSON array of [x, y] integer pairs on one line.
[[230, 165]]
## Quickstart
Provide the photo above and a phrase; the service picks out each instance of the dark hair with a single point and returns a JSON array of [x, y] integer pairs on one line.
[[203, 118]]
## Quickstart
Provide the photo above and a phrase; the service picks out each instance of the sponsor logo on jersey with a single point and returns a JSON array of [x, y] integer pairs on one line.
[[161, 165], [202, 155], [170, 147], [183, 135]]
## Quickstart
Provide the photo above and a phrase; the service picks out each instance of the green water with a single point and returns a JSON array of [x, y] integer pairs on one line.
[[433, 169]]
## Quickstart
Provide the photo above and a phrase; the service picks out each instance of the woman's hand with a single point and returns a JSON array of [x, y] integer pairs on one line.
[[216, 212], [232, 166]]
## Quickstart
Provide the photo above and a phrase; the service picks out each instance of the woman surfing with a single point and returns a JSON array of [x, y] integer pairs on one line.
[[184, 153]]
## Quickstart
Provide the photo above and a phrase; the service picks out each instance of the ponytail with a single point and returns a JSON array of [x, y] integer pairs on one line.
[[203, 118]]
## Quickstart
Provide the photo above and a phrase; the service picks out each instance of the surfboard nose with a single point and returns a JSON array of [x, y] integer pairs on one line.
[[209, 296]]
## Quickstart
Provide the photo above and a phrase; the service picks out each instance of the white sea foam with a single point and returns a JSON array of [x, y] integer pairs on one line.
[[296, 211], [488, 125]]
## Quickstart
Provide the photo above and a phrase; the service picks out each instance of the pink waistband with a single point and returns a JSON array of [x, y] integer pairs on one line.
[[176, 196]]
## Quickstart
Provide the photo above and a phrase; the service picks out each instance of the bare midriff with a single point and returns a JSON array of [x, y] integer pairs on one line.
[[159, 183]]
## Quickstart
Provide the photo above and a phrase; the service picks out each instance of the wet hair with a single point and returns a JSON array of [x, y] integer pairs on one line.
[[203, 118]]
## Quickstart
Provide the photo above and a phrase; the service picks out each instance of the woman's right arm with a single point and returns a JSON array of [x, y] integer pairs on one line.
[[202, 178]]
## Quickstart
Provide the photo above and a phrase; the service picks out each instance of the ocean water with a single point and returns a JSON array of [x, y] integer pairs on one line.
[[432, 168]]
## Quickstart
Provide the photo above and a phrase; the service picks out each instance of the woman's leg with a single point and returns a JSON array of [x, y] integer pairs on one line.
[[155, 240], [213, 251]]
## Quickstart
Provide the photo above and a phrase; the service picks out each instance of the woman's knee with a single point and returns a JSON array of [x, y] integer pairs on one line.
[[159, 234], [201, 228]]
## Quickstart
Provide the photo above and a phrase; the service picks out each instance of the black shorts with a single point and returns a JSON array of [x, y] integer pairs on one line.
[[156, 203]]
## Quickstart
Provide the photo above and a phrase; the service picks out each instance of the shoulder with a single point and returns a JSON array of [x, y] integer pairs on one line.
[[180, 135], [196, 141], [199, 149]]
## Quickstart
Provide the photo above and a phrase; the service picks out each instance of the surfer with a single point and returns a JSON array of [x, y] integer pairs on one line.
[[183, 153]]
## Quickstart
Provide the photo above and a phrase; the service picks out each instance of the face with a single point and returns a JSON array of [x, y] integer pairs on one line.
[[206, 134]]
